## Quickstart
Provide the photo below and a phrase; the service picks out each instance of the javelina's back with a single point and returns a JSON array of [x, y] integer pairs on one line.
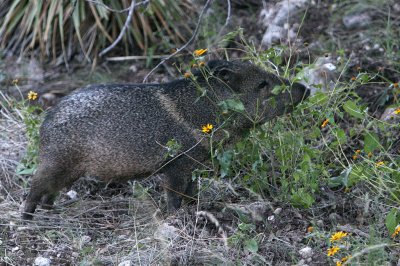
[[120, 131]]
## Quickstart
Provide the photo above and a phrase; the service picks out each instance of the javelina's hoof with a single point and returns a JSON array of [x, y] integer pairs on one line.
[[27, 216]]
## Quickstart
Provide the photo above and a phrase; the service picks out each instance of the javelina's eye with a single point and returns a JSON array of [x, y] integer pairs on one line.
[[224, 74], [262, 85]]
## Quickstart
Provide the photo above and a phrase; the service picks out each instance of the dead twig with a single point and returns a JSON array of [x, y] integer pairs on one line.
[[127, 21]]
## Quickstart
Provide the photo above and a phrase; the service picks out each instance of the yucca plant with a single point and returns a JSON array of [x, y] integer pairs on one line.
[[59, 29]]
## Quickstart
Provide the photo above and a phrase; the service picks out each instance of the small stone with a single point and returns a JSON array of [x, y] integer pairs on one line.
[[389, 115], [72, 194], [356, 21], [166, 232], [133, 68], [329, 66], [40, 261], [306, 252], [278, 211], [271, 218], [125, 263], [301, 262], [86, 239], [320, 223]]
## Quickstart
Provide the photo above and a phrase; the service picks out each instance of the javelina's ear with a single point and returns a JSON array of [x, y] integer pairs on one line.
[[229, 75]]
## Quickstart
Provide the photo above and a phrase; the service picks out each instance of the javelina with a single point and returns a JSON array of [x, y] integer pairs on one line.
[[119, 131]]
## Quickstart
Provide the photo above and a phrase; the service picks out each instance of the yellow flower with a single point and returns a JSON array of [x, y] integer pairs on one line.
[[187, 75], [207, 128], [310, 229], [358, 151], [201, 64], [396, 85], [339, 263], [199, 52], [338, 235], [32, 95], [355, 157], [326, 121], [333, 250], [397, 111], [15, 81], [353, 78], [380, 163], [344, 259], [194, 65], [369, 154], [397, 231]]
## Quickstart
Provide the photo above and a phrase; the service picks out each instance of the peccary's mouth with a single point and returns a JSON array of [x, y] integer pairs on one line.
[[300, 90], [283, 102]]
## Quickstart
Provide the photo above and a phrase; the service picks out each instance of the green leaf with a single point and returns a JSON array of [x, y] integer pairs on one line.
[[251, 245], [232, 104], [26, 171], [353, 109], [342, 179], [225, 162], [302, 199], [246, 227], [341, 136], [371, 142], [392, 220], [277, 89], [319, 98]]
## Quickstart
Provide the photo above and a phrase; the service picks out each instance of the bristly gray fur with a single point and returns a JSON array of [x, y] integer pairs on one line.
[[119, 131]]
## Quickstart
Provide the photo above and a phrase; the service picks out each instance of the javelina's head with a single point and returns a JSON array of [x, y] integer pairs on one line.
[[253, 87]]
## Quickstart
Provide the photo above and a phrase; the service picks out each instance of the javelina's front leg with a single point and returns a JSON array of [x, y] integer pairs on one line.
[[179, 182]]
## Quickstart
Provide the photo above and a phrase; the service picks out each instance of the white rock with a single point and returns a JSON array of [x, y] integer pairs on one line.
[[271, 218], [306, 252], [125, 263], [40, 261], [133, 68], [320, 76], [356, 21], [278, 211], [86, 239], [275, 18], [390, 115], [72, 194], [329, 66], [166, 232]]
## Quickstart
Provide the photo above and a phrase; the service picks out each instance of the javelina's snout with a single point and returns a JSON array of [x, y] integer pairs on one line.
[[285, 101], [120, 131], [299, 92]]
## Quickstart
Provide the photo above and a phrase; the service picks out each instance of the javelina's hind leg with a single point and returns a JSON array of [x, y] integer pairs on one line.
[[31, 202], [44, 188]]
